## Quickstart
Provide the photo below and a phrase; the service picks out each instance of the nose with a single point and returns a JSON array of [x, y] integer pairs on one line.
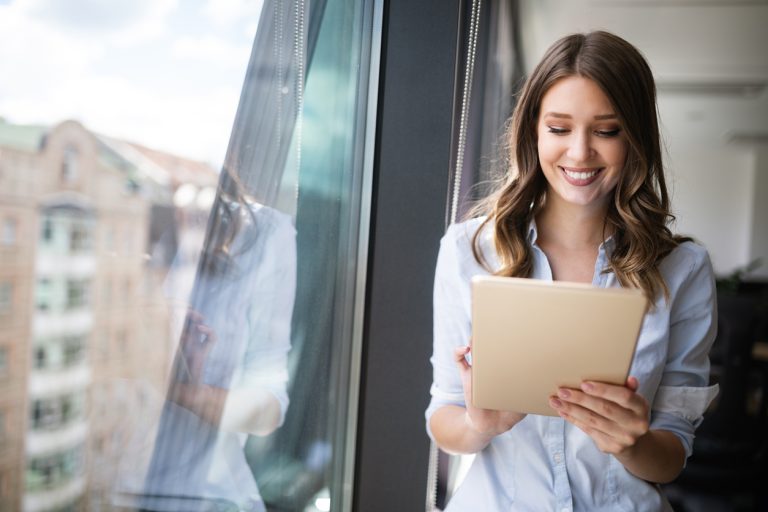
[[580, 147]]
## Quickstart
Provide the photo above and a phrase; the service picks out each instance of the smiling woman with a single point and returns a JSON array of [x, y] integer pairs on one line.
[[583, 200]]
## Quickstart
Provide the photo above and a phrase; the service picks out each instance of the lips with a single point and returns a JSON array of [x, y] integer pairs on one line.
[[580, 176]]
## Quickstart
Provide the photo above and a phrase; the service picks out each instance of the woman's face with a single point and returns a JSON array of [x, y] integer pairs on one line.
[[581, 145]]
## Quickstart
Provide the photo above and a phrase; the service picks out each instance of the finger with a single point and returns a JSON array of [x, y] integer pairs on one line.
[[604, 441], [633, 383], [459, 355], [590, 408], [621, 395]]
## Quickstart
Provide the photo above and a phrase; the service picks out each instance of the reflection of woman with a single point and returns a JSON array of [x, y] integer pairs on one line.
[[587, 202], [230, 372]]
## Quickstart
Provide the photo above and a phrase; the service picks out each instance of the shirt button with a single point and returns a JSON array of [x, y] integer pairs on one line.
[[558, 458]]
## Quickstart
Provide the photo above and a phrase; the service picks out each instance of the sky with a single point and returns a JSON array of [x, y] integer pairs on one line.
[[163, 73]]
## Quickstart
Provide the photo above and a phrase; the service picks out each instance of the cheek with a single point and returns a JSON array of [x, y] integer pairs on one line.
[[548, 152]]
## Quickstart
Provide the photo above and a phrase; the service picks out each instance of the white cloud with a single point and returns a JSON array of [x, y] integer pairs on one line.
[[227, 12], [210, 48], [176, 94], [124, 22]]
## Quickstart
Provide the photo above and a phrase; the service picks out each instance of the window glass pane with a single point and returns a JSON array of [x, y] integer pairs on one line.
[[183, 308]]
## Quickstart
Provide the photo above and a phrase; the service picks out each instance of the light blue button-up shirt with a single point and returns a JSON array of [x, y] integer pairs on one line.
[[545, 463]]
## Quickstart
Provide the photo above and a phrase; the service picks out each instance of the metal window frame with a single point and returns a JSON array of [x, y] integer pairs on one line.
[[412, 168]]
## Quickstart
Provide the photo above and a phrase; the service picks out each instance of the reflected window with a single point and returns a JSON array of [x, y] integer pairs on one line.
[[6, 297], [47, 232], [3, 365], [79, 236], [54, 470], [69, 165], [9, 231], [77, 293]]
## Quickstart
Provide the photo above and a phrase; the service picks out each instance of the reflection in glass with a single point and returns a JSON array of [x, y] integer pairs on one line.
[[155, 327]]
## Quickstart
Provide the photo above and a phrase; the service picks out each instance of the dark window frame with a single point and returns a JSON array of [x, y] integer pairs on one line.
[[410, 199]]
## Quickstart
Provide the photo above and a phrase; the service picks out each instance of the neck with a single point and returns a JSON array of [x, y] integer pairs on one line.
[[571, 226]]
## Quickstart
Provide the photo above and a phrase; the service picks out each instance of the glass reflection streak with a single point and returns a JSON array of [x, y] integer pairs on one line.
[[230, 373]]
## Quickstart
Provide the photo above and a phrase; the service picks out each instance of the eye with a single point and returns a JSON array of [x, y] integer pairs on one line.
[[557, 130], [608, 133]]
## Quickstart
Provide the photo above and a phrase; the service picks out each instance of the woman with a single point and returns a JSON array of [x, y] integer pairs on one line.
[[585, 201]]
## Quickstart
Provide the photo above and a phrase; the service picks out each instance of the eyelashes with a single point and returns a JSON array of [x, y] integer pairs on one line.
[[600, 133]]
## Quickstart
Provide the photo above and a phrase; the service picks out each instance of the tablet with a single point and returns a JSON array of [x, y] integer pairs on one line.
[[530, 337]]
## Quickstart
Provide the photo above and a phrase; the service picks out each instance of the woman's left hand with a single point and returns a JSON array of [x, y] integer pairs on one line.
[[615, 417]]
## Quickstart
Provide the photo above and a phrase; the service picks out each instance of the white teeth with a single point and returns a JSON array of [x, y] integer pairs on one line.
[[580, 175]]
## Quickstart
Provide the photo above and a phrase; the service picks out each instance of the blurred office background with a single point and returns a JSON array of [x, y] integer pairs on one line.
[[136, 137]]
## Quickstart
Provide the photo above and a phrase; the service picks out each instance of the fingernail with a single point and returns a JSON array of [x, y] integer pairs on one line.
[[555, 402], [564, 393], [587, 386]]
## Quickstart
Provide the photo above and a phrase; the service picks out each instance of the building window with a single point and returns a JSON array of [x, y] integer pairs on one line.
[[69, 165], [6, 297], [41, 358], [43, 294], [79, 237], [54, 413], [54, 470], [3, 362], [9, 231], [77, 294], [47, 233], [73, 350]]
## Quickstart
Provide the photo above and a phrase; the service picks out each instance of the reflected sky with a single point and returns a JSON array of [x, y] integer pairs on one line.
[[165, 73]]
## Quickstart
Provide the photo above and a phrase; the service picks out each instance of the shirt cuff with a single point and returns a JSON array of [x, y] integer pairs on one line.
[[685, 401]]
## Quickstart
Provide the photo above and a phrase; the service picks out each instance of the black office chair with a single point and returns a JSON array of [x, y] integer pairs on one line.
[[730, 452]]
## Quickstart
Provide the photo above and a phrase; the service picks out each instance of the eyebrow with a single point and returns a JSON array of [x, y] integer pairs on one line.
[[568, 116]]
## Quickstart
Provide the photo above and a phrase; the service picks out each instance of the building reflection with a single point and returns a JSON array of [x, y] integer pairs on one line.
[[90, 227]]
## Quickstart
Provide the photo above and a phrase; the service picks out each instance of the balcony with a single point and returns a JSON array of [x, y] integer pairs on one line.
[[62, 323], [52, 383], [50, 263], [55, 497], [42, 442]]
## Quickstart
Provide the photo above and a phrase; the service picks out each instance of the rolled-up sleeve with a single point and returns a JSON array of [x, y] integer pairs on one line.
[[684, 393], [451, 317]]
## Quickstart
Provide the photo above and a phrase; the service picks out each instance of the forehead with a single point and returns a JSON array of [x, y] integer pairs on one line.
[[576, 95]]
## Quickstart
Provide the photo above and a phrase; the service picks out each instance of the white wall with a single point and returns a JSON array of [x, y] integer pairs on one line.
[[712, 198]]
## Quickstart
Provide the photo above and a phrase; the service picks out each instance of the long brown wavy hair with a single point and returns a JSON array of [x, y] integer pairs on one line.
[[639, 215]]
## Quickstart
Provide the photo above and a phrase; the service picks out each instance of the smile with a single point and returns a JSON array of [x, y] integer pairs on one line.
[[580, 177]]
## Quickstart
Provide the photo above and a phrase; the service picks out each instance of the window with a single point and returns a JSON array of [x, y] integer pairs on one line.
[[3, 361], [69, 165], [79, 236], [77, 294], [54, 470], [47, 231], [41, 358], [73, 348], [6, 297], [43, 294], [57, 412], [281, 272], [9, 231]]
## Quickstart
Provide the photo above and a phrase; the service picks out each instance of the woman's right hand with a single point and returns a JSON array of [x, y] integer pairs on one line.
[[485, 422]]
